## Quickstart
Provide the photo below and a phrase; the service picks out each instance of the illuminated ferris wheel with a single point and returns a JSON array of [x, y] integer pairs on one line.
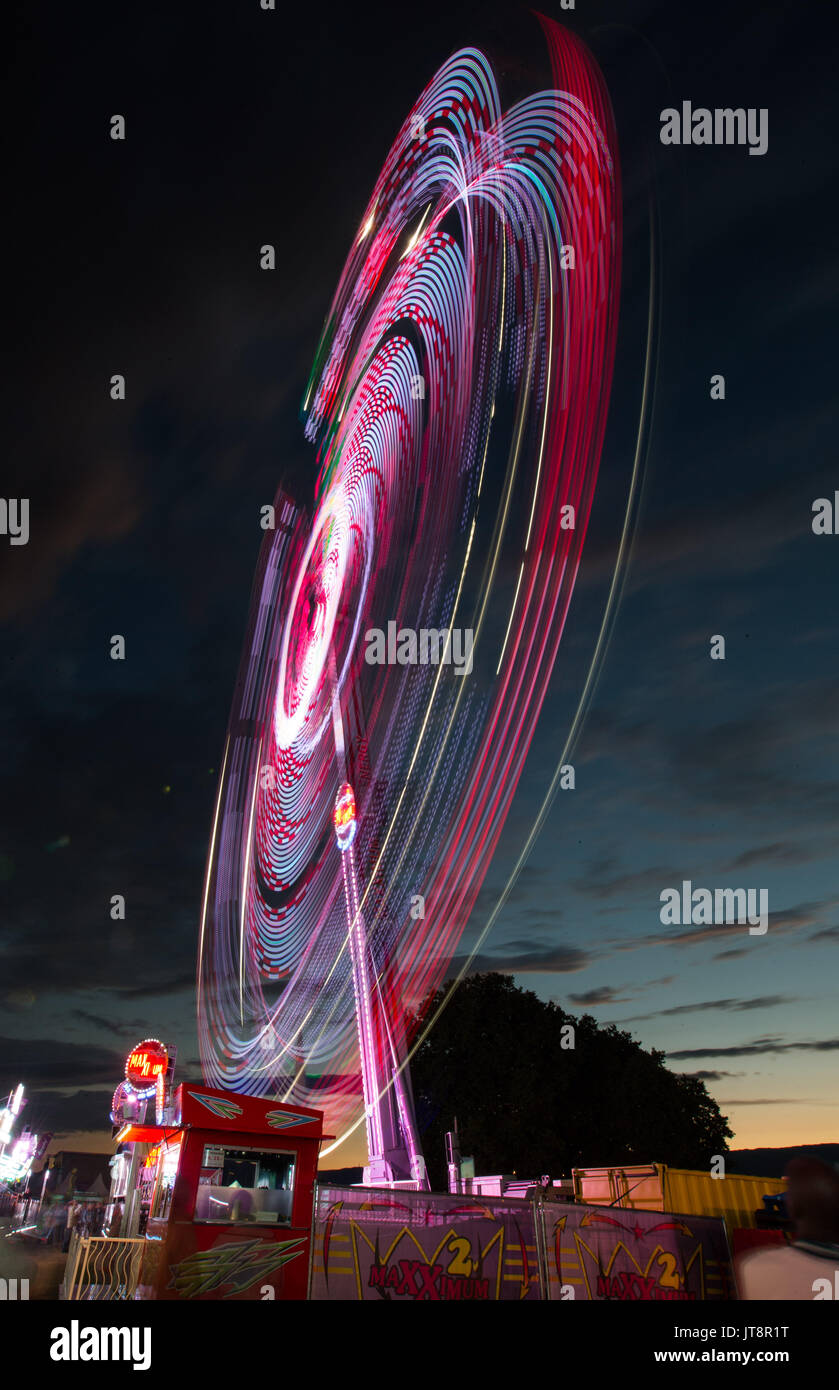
[[402, 638]]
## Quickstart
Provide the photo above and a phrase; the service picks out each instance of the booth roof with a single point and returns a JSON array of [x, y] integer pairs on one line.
[[145, 1134]]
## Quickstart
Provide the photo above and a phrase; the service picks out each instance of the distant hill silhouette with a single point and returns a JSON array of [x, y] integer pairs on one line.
[[770, 1163], [340, 1177]]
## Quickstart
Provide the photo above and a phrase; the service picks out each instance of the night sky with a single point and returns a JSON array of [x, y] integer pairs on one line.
[[246, 127]]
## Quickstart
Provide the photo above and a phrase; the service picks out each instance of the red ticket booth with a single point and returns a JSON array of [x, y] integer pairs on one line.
[[229, 1188]]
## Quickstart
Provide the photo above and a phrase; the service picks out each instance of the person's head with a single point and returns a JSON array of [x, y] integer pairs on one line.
[[813, 1199]]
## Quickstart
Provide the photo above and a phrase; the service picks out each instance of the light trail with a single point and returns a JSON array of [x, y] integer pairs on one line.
[[477, 330]]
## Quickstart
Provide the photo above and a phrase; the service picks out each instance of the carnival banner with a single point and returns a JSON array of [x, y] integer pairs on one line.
[[613, 1254], [375, 1244]]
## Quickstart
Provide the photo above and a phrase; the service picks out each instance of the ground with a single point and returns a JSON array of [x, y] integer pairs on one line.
[[23, 1258]]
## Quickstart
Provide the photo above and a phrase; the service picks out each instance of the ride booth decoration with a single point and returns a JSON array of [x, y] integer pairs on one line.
[[615, 1255], [229, 1185], [372, 1245]]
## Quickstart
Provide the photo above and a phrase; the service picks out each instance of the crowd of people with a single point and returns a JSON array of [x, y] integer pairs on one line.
[[62, 1218]]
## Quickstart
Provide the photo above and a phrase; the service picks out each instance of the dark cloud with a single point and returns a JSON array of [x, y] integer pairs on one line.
[[48, 1062], [551, 960], [756, 1049], [530, 884], [708, 1075], [107, 1025], [749, 762], [604, 994], [628, 884], [826, 934], [176, 985], [766, 1001], [776, 853], [775, 1100], [781, 922], [728, 766]]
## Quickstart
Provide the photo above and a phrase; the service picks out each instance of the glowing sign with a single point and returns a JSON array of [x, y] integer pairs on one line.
[[16, 1161], [152, 1156], [145, 1064], [160, 1097], [125, 1104], [11, 1109], [343, 817]]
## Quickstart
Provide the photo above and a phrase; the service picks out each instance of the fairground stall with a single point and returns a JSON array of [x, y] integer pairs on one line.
[[228, 1188]]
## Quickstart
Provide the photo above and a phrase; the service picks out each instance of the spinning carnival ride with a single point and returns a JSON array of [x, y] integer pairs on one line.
[[458, 405]]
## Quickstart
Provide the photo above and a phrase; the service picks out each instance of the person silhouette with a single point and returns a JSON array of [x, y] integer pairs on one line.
[[242, 1203], [810, 1264]]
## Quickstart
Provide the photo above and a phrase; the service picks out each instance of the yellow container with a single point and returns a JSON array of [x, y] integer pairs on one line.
[[655, 1187]]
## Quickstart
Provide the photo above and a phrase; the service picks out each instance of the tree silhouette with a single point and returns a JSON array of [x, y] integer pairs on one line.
[[527, 1104]]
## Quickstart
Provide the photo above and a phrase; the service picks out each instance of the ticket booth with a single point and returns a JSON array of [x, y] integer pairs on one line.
[[229, 1188]]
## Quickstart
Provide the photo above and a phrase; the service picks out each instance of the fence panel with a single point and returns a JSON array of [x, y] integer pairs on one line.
[[103, 1267], [369, 1243], [592, 1253]]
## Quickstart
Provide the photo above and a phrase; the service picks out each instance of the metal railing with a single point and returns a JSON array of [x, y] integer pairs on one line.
[[103, 1267]]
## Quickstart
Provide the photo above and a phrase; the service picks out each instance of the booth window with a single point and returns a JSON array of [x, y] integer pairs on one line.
[[245, 1185]]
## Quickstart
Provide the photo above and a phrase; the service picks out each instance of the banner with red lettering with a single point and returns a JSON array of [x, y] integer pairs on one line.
[[376, 1244], [609, 1253]]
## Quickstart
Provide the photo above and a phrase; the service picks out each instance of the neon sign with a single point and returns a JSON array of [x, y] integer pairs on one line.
[[145, 1064], [152, 1156], [344, 816]]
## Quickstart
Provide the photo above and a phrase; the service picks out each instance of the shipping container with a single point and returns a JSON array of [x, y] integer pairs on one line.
[[656, 1187]]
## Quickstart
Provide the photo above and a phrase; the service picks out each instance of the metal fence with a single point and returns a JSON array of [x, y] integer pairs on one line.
[[25, 1214], [103, 1267]]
